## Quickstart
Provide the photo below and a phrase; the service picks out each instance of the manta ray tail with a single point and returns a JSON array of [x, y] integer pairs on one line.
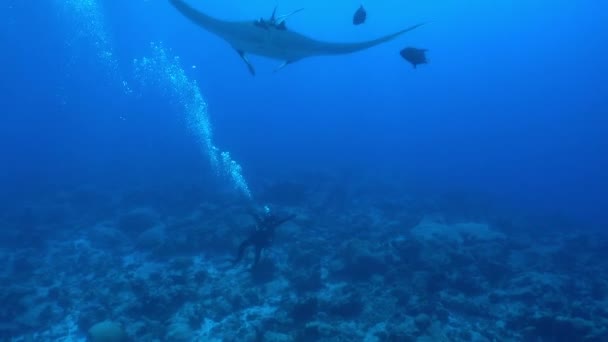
[[283, 17]]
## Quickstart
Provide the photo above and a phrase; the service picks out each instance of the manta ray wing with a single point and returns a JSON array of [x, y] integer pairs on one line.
[[248, 37]]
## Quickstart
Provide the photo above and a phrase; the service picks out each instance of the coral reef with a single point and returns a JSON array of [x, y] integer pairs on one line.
[[386, 269]]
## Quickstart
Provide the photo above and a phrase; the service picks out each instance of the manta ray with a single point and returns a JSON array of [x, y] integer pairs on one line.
[[272, 39]]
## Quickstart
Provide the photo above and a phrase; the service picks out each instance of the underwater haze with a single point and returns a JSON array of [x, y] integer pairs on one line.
[[153, 188]]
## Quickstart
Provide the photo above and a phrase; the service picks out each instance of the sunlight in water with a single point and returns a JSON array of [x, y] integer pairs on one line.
[[87, 17], [166, 73]]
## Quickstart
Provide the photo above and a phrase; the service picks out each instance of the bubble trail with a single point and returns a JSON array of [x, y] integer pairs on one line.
[[165, 71]]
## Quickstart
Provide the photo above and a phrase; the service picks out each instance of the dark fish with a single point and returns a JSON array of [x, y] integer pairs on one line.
[[360, 16], [414, 55]]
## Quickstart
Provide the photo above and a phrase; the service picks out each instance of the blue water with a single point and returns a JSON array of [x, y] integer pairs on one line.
[[512, 102], [508, 118]]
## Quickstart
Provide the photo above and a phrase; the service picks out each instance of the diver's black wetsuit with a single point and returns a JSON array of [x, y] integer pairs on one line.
[[262, 236]]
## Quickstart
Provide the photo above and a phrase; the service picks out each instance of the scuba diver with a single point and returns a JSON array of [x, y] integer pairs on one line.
[[262, 235]]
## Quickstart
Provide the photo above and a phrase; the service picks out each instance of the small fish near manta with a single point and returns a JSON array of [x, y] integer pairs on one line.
[[360, 16], [414, 55]]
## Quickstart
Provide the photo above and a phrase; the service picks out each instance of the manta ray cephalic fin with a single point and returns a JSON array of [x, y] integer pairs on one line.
[[246, 60], [282, 65]]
